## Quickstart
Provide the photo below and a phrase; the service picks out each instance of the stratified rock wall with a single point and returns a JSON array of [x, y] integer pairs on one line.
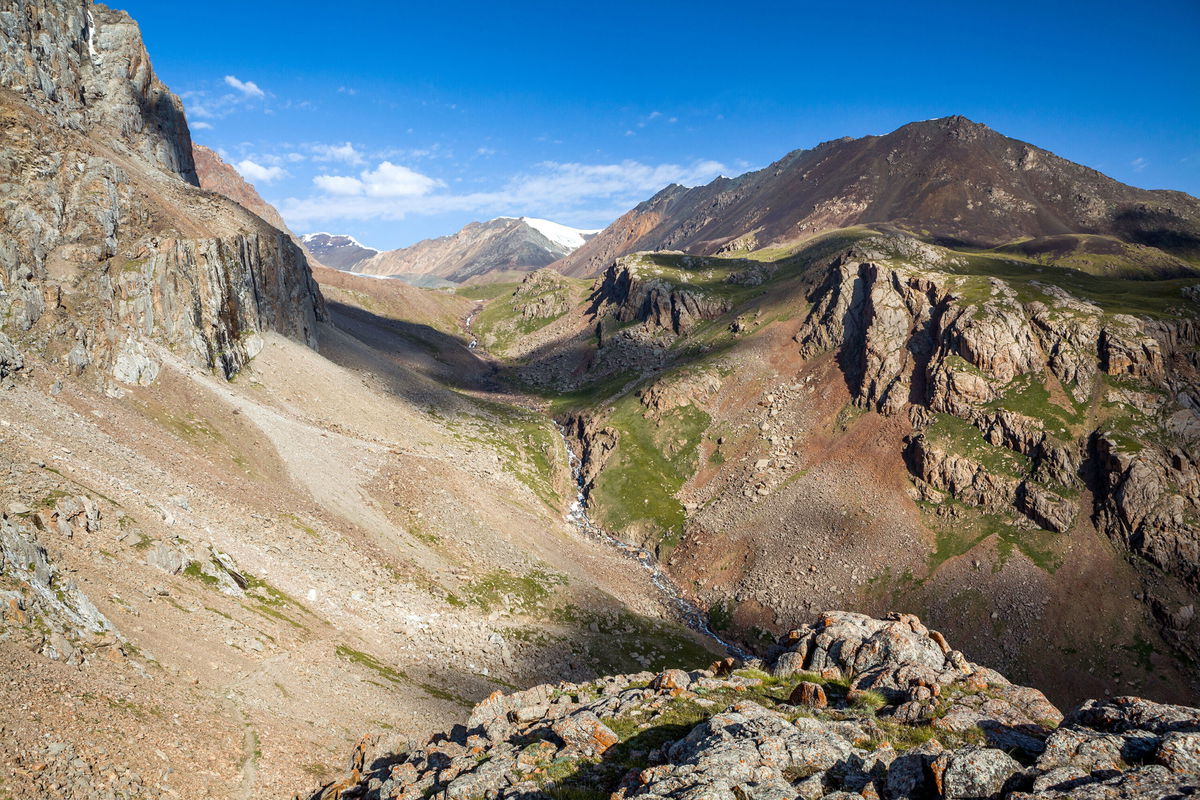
[[108, 242]]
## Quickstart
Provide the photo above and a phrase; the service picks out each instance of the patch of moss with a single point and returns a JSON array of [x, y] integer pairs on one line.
[[195, 571], [963, 438], [370, 662], [720, 615]]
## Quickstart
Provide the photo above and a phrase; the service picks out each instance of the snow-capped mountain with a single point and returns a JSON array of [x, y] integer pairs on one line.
[[504, 244], [337, 250]]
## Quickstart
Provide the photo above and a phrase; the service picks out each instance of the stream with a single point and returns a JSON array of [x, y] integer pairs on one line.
[[578, 516]]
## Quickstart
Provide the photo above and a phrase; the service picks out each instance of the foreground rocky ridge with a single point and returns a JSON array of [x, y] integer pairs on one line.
[[846, 707]]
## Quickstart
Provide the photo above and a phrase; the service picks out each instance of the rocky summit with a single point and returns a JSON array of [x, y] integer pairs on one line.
[[846, 707]]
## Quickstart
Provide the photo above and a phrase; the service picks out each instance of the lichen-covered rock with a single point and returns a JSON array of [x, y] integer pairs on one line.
[[974, 773]]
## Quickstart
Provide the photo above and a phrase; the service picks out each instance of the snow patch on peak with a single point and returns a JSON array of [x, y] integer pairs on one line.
[[343, 239], [572, 238]]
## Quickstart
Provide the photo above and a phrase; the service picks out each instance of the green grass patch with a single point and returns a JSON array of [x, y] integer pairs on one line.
[[645, 471], [1028, 395], [370, 662], [961, 437]]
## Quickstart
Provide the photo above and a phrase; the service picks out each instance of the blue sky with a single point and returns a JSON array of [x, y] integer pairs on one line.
[[399, 121]]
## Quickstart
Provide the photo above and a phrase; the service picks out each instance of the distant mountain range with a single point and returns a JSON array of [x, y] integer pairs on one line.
[[948, 181], [490, 250]]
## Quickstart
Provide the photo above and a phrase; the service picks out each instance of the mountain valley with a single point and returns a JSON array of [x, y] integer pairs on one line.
[[534, 512]]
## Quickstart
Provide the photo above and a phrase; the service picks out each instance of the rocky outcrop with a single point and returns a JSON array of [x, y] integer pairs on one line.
[[906, 717], [635, 291], [109, 243], [1149, 500], [84, 67], [38, 604], [1021, 368], [542, 295]]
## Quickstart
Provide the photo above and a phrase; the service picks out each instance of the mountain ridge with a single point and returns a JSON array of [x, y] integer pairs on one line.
[[500, 245], [947, 180]]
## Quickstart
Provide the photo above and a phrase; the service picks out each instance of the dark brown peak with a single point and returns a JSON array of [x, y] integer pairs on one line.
[[956, 125]]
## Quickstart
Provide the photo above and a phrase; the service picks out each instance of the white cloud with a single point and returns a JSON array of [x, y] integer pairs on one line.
[[386, 180], [337, 152], [257, 173], [248, 88], [338, 184], [554, 190], [393, 180], [1139, 164], [201, 126]]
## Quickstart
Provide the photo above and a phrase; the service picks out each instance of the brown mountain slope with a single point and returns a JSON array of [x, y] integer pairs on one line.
[[946, 180], [217, 176]]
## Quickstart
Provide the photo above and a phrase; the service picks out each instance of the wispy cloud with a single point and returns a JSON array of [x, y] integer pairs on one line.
[[1139, 164], [248, 88], [345, 152], [257, 173], [201, 126], [560, 190]]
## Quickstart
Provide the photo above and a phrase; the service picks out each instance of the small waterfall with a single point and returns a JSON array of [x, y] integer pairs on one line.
[[578, 516], [470, 319]]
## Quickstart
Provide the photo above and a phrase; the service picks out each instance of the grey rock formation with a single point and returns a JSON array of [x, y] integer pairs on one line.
[[691, 735], [636, 293], [37, 603], [1018, 369], [109, 242]]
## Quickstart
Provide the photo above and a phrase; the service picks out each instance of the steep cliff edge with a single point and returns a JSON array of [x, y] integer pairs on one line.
[[844, 708], [110, 243]]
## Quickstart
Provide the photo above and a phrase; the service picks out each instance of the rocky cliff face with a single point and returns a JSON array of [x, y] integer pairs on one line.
[[846, 707], [948, 180], [635, 291], [84, 66], [111, 245], [1057, 394]]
